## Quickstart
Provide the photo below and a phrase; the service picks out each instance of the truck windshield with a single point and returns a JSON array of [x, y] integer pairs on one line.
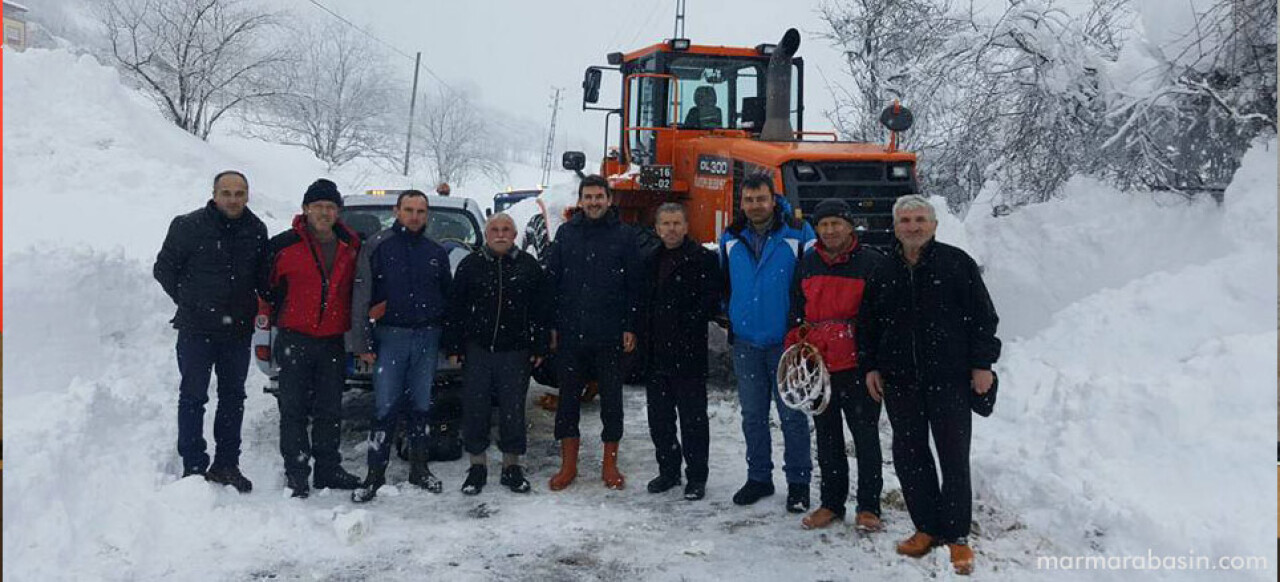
[[443, 224]]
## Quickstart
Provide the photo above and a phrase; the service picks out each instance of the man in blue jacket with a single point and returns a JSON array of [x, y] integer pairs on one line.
[[402, 281], [594, 269], [758, 252]]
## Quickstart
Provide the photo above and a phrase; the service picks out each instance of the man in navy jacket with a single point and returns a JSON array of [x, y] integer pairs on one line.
[[402, 282], [594, 268]]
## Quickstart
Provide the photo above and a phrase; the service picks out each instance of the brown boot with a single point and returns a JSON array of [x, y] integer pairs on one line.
[[868, 521], [568, 464], [917, 545], [612, 478], [820, 518], [961, 558]]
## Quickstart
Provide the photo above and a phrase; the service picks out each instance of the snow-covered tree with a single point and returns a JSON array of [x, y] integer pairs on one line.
[[455, 137], [1203, 89], [338, 99], [1025, 97], [199, 59]]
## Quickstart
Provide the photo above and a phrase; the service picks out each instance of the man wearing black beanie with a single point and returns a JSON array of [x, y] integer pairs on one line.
[[826, 296], [312, 268]]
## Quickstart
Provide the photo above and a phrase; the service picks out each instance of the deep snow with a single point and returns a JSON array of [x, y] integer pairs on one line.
[[1136, 411]]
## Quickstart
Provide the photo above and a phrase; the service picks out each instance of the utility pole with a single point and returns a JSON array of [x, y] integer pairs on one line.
[[679, 30], [549, 153], [413, 101]]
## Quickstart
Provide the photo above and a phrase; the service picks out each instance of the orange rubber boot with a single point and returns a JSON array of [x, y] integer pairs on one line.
[[613, 479], [961, 558], [568, 464]]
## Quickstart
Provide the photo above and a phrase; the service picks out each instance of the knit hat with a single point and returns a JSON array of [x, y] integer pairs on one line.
[[322, 189], [833, 207]]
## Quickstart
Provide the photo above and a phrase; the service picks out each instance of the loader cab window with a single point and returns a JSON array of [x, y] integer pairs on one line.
[[737, 86]]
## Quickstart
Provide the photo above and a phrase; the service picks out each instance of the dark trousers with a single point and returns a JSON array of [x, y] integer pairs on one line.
[[487, 376], [940, 510], [200, 355], [686, 397], [576, 365], [850, 400], [311, 381]]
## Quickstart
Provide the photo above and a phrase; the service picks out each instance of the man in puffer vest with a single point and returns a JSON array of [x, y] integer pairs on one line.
[[825, 298]]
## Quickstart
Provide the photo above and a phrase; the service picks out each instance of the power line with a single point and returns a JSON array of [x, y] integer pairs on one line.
[[433, 74], [642, 27]]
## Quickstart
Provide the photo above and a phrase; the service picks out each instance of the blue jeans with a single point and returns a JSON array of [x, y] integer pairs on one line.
[[757, 370], [199, 355], [405, 370]]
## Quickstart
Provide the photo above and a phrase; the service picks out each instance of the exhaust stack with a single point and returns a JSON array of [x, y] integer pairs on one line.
[[777, 120]]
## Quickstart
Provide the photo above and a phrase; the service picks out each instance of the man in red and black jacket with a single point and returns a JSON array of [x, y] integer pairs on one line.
[[312, 267], [826, 294]]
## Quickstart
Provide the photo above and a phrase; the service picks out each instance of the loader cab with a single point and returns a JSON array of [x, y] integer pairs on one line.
[[674, 86]]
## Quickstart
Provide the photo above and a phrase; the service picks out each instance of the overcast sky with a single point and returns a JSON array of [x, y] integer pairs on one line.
[[514, 52]]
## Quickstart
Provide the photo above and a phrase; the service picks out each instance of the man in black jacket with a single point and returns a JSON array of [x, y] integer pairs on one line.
[[497, 326], [210, 265], [927, 339], [594, 269], [683, 287]]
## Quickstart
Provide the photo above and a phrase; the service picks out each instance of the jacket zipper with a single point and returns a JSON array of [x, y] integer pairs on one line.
[[497, 318], [915, 319], [324, 280]]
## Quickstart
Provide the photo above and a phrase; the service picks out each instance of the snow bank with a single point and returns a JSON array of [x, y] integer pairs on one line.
[[1048, 256], [89, 162], [1137, 412]]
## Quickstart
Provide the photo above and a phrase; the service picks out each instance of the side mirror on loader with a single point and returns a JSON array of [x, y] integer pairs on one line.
[[896, 118], [574, 162], [591, 85]]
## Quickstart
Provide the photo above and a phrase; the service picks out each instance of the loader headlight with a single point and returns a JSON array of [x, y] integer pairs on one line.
[[900, 172], [806, 173]]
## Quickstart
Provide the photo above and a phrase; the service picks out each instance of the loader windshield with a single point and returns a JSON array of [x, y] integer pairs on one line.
[[721, 92]]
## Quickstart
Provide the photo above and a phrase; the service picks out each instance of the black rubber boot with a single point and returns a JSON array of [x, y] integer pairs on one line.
[[477, 476], [376, 478]]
